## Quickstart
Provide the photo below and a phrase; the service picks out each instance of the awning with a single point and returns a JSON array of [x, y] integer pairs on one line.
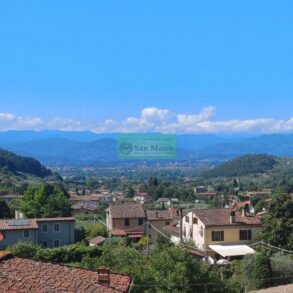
[[232, 250], [135, 234]]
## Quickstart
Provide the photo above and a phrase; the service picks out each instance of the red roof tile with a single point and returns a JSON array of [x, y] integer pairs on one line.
[[127, 210], [27, 276], [221, 217]]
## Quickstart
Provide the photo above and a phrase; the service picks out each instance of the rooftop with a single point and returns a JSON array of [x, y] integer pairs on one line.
[[25, 275], [221, 217], [157, 215], [97, 240], [28, 224], [127, 210]]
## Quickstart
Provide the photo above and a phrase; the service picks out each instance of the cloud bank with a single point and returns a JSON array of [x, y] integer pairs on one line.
[[151, 119]]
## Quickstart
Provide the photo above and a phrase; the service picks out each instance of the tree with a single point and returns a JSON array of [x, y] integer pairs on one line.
[[4, 210], [46, 200], [94, 230], [277, 226]]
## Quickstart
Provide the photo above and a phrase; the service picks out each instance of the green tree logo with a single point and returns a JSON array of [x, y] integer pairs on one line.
[[125, 148]]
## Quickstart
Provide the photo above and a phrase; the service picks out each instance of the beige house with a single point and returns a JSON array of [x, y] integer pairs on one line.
[[159, 219], [126, 220], [221, 232]]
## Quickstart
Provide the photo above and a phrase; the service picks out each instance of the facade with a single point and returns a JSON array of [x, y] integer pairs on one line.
[[159, 219], [126, 220], [26, 275], [47, 232], [210, 227]]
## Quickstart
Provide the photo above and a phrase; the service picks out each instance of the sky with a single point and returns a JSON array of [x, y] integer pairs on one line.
[[169, 66]]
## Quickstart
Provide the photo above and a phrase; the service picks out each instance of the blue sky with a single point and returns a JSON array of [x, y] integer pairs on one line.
[[74, 64]]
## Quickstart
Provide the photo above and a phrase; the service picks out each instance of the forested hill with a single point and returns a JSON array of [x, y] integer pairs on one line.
[[245, 165], [13, 163]]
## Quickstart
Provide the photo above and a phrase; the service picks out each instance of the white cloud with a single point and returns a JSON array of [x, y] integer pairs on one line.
[[152, 119]]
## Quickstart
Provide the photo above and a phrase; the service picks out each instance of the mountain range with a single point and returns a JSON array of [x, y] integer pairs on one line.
[[86, 148]]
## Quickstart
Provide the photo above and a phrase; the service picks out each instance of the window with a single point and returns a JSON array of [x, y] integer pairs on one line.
[[187, 219], [244, 234], [140, 222], [26, 234], [45, 243], [201, 231], [45, 228], [126, 222], [56, 243], [217, 235], [194, 220], [56, 227], [167, 223]]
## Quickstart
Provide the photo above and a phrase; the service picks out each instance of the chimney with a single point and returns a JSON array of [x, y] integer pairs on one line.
[[104, 276], [243, 212], [232, 217]]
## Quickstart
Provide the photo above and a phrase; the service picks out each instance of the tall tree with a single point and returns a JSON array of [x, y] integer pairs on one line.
[[278, 223], [46, 200]]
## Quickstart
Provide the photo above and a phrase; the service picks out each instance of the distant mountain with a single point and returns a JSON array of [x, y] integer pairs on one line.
[[274, 144], [12, 163], [87, 148], [245, 165]]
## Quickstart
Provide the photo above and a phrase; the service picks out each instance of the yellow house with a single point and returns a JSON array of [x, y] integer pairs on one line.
[[221, 232]]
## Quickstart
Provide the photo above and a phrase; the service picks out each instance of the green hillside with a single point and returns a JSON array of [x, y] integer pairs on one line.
[[10, 162], [245, 165]]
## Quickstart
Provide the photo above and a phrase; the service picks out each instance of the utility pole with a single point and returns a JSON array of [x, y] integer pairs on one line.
[[148, 246]]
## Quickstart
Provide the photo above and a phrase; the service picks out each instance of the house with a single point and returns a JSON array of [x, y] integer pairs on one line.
[[47, 232], [200, 189], [83, 208], [159, 219], [168, 201], [221, 232], [142, 197], [126, 219], [26, 275]]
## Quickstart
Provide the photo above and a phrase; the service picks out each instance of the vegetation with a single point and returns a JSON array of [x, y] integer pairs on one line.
[[242, 166], [14, 164], [46, 200], [4, 210], [277, 226]]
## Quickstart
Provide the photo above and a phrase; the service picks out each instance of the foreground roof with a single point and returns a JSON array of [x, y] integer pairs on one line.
[[26, 276], [221, 217], [279, 289], [127, 210]]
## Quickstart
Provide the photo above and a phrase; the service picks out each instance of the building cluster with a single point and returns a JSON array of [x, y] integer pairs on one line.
[[215, 232]]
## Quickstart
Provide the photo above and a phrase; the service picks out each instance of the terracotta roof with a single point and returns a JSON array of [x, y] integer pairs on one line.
[[127, 210], [18, 224], [221, 217], [97, 240], [159, 215], [80, 206], [118, 232], [172, 229], [26, 276]]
